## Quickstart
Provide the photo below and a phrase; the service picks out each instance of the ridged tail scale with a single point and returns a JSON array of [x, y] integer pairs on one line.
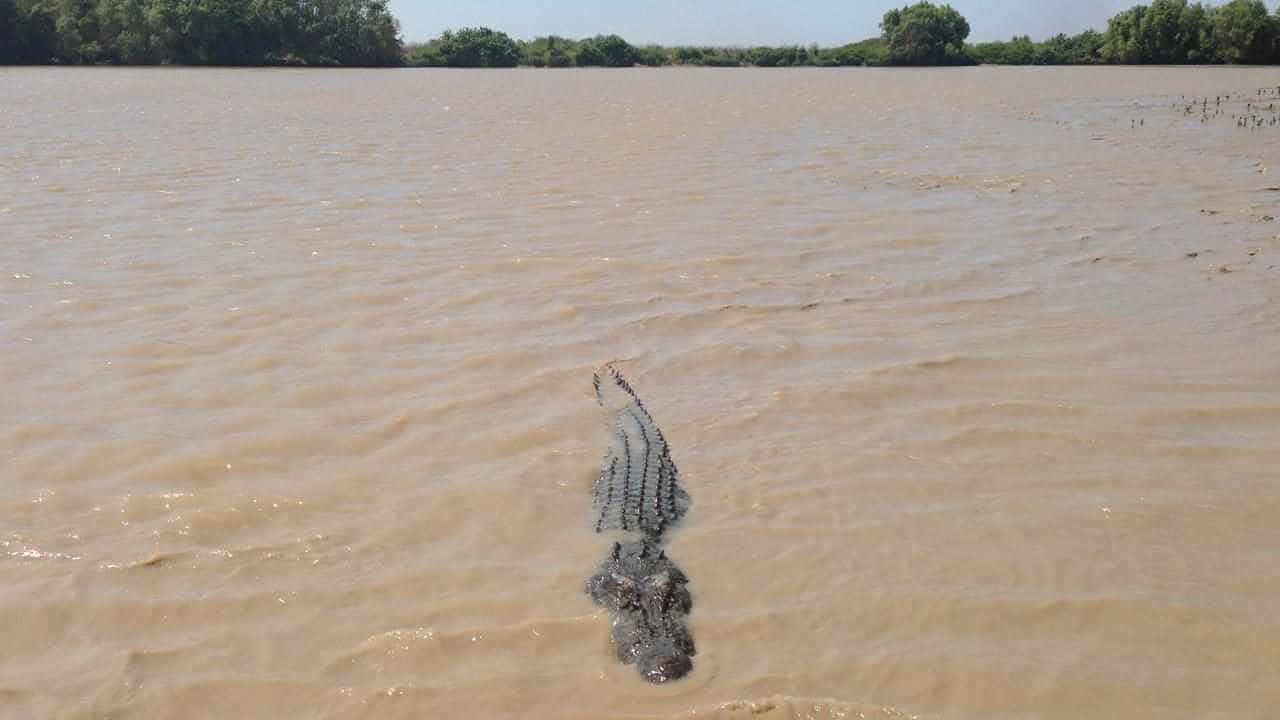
[[637, 489]]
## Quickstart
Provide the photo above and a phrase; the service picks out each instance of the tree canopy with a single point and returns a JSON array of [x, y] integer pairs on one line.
[[925, 34], [608, 51], [200, 32], [1242, 32], [468, 48], [1173, 31], [1082, 49]]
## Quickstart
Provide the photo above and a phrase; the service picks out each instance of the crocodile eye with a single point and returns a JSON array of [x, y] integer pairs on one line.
[[623, 590], [668, 592], [613, 590]]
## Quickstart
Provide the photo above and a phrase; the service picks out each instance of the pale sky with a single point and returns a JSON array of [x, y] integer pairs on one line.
[[740, 22]]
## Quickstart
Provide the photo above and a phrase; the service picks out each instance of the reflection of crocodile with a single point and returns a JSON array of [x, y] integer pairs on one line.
[[637, 492]]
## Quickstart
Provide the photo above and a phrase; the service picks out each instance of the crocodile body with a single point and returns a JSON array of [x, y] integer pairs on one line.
[[637, 492]]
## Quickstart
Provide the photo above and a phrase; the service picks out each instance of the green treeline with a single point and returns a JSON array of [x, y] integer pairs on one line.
[[199, 32], [483, 47], [364, 33], [1165, 32]]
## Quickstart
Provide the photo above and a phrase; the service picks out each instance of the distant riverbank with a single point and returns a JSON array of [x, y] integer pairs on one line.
[[363, 33]]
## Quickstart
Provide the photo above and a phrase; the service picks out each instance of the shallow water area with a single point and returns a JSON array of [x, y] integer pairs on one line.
[[972, 375]]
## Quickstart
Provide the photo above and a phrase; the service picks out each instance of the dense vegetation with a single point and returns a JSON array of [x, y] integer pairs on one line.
[[1167, 31], [363, 32], [199, 32], [1164, 32], [490, 48], [925, 34], [1082, 49], [467, 48]]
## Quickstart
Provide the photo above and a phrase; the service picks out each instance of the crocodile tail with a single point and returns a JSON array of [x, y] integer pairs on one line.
[[637, 489]]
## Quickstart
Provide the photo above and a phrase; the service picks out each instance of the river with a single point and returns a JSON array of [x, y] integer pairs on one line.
[[972, 375]]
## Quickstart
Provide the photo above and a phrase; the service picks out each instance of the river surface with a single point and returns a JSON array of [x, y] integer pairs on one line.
[[973, 376]]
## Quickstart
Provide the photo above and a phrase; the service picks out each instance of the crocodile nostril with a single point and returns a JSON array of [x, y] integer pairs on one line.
[[667, 667]]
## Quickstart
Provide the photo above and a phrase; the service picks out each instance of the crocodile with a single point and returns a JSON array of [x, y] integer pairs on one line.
[[637, 492]]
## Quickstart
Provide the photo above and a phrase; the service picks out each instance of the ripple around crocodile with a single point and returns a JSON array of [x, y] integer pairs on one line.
[[637, 491]]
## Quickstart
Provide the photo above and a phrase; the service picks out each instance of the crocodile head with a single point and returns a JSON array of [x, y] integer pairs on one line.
[[649, 599]]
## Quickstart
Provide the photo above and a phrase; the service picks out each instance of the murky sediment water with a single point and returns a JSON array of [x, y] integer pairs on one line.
[[973, 376]]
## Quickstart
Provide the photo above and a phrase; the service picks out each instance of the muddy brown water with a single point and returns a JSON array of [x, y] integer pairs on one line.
[[973, 376]]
